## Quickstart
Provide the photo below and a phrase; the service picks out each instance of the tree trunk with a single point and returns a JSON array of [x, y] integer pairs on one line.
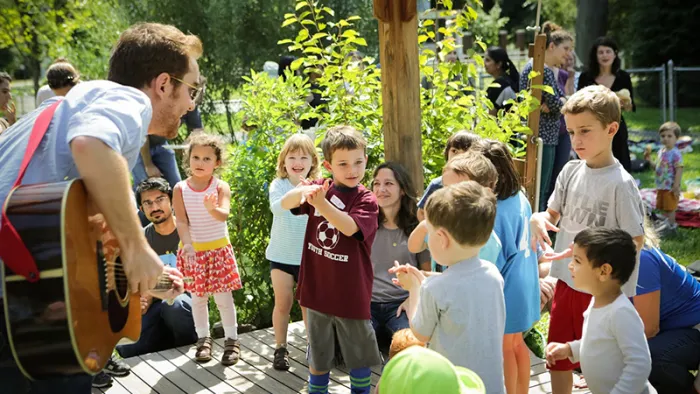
[[591, 23]]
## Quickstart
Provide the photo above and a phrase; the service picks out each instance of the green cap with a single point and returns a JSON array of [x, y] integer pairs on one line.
[[418, 370]]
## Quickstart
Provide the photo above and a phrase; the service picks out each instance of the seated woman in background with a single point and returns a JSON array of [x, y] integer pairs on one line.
[[668, 301], [501, 68], [397, 218]]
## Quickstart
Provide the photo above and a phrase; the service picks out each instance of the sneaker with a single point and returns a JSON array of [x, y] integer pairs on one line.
[[232, 352], [117, 367], [281, 361], [535, 342], [203, 349], [101, 380]]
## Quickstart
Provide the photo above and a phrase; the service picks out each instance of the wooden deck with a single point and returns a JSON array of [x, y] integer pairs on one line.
[[175, 371]]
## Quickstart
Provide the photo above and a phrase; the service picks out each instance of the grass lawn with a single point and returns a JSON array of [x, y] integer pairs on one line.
[[649, 119]]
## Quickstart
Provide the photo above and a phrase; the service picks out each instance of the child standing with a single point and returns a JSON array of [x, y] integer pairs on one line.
[[595, 191], [613, 349], [469, 166], [669, 170], [456, 144], [516, 262], [460, 313], [335, 280], [297, 160], [202, 205]]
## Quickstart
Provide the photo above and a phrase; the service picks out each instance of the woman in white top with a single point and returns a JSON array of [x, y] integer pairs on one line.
[[297, 160]]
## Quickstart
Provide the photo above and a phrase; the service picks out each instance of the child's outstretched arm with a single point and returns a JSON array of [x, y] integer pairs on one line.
[[416, 241], [294, 198], [540, 223], [181, 220], [339, 219], [219, 205]]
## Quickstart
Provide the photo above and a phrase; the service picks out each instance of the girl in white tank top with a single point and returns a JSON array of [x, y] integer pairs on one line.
[[202, 204]]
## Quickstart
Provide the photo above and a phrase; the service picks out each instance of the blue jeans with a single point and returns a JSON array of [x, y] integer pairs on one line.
[[163, 327], [673, 354], [13, 382], [384, 317], [164, 159]]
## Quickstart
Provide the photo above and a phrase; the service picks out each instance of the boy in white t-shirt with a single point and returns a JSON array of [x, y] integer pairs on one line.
[[595, 191], [613, 351]]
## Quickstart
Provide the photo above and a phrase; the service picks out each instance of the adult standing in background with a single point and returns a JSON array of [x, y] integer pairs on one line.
[[564, 75], [604, 69], [505, 74]]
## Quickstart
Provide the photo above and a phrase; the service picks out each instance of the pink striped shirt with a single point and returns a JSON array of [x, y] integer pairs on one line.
[[203, 226]]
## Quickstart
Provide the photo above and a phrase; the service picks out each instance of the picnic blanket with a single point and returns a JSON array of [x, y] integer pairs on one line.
[[687, 214]]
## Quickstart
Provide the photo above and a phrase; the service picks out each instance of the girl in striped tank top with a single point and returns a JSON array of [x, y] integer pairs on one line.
[[202, 204]]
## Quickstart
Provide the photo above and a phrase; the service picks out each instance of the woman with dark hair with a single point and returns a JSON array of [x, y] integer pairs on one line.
[[397, 218], [62, 77], [604, 69], [501, 68], [559, 45]]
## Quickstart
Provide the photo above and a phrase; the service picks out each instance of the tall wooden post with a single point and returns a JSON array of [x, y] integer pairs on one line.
[[398, 54], [533, 122]]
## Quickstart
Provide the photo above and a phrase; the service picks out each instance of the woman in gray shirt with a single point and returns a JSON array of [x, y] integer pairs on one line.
[[397, 218]]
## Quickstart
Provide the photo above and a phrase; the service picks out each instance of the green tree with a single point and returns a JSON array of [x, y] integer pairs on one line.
[[36, 28]]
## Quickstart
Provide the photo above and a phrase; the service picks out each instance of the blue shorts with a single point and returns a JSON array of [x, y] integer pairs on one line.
[[292, 270]]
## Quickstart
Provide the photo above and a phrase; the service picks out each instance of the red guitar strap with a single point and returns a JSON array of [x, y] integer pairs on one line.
[[13, 252]]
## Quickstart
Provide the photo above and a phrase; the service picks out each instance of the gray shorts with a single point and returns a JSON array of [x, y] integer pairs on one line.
[[336, 341]]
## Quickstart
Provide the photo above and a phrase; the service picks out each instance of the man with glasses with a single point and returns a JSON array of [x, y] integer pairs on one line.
[[163, 325], [156, 158]]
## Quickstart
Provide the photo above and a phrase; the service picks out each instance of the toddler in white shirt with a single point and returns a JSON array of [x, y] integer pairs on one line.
[[613, 350]]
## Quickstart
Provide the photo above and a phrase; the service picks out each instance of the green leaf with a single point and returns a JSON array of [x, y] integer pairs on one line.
[[360, 41], [285, 41], [532, 74], [472, 14], [308, 22], [289, 22], [328, 11], [349, 33], [319, 35], [428, 22], [544, 88], [321, 26], [314, 50], [447, 3]]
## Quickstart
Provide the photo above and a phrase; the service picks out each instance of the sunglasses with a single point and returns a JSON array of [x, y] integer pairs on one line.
[[195, 92]]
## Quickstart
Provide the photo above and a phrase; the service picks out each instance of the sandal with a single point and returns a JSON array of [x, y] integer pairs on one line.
[[203, 349], [232, 352], [281, 361]]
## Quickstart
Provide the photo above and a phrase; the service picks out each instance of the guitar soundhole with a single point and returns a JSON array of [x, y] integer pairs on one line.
[[114, 290], [118, 300]]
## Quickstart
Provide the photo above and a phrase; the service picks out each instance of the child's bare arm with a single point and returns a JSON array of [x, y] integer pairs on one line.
[[540, 223], [677, 181], [222, 208], [293, 198], [183, 225], [421, 214], [339, 219], [416, 241]]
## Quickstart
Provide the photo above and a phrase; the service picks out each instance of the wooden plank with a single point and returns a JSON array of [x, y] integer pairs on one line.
[[533, 122], [229, 375], [151, 377], [245, 369], [116, 387], [171, 372], [133, 384], [254, 353], [297, 369], [197, 372], [299, 357]]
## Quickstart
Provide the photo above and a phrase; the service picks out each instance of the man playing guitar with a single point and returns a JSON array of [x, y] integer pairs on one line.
[[96, 134]]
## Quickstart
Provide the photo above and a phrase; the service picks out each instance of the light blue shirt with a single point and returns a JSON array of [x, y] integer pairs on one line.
[[488, 252], [517, 263], [288, 230], [116, 115]]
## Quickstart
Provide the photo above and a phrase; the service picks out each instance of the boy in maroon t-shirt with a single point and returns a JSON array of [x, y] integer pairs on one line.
[[336, 276]]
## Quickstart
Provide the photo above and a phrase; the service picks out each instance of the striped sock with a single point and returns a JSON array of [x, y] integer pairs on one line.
[[318, 384], [360, 380]]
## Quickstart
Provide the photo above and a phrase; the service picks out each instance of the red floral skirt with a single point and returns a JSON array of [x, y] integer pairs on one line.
[[211, 271]]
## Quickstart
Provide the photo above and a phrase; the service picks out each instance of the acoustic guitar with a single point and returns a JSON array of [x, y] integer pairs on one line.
[[72, 318]]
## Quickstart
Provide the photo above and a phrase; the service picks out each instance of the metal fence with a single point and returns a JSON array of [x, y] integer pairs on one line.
[[661, 70], [673, 72]]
